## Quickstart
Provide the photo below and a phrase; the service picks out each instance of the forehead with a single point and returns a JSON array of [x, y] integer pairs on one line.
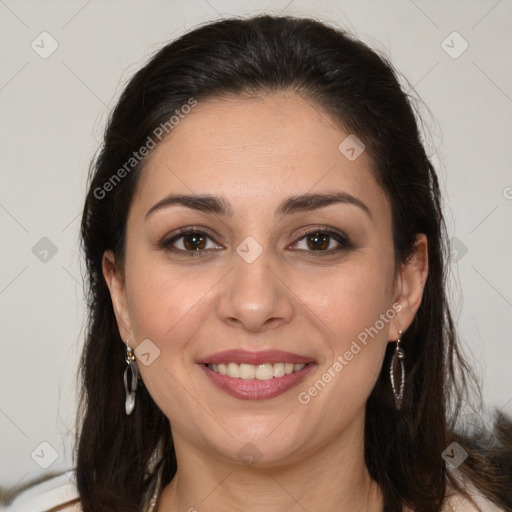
[[257, 149]]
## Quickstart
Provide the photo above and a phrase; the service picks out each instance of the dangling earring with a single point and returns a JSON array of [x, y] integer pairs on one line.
[[131, 364], [397, 362]]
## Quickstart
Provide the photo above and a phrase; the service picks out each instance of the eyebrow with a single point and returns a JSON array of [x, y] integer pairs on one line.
[[295, 204]]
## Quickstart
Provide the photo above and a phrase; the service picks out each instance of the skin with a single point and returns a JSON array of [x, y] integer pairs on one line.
[[256, 153]]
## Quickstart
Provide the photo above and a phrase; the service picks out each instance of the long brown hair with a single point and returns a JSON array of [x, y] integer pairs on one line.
[[358, 88]]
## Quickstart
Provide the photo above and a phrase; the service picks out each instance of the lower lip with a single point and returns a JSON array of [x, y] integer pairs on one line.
[[254, 389]]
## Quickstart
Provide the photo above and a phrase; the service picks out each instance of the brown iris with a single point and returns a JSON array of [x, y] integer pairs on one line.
[[194, 241], [319, 241]]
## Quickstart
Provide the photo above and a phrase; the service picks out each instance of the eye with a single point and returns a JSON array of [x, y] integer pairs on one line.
[[195, 242], [324, 241], [189, 240]]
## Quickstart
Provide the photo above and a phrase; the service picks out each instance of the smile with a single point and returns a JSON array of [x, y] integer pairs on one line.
[[256, 381]]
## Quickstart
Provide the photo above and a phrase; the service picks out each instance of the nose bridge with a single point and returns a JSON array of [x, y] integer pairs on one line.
[[255, 296]]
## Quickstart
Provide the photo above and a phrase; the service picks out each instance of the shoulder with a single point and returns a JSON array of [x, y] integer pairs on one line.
[[458, 503], [57, 493]]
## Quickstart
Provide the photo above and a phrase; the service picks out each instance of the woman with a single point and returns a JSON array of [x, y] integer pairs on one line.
[[266, 255]]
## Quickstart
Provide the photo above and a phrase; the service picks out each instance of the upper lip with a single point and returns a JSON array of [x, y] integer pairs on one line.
[[254, 358]]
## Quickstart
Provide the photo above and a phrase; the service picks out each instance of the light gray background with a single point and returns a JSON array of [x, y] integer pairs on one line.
[[52, 115]]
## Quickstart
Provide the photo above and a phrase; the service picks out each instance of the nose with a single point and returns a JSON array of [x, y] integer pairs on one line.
[[255, 296]]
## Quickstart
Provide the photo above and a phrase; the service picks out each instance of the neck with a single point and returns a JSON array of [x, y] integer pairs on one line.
[[333, 477]]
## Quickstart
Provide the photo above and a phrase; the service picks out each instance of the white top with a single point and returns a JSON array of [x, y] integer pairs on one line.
[[57, 491], [61, 489], [47, 494]]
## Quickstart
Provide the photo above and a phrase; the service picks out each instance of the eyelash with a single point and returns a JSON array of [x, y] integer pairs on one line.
[[340, 238]]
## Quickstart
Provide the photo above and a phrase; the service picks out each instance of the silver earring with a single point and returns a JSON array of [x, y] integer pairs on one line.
[[130, 392], [397, 363]]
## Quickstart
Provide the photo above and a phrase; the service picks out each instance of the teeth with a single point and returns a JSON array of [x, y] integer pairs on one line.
[[278, 369], [247, 371], [233, 370], [264, 371]]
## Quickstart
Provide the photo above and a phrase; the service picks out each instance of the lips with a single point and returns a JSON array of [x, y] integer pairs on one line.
[[258, 388], [254, 358]]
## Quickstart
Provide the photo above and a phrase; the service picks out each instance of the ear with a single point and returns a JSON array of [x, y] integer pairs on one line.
[[410, 285], [116, 285]]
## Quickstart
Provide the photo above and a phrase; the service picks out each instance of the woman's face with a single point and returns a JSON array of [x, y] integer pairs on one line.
[[284, 279]]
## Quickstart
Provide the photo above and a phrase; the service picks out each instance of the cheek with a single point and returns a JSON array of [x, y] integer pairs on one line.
[[163, 301], [353, 309], [168, 307], [351, 300]]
